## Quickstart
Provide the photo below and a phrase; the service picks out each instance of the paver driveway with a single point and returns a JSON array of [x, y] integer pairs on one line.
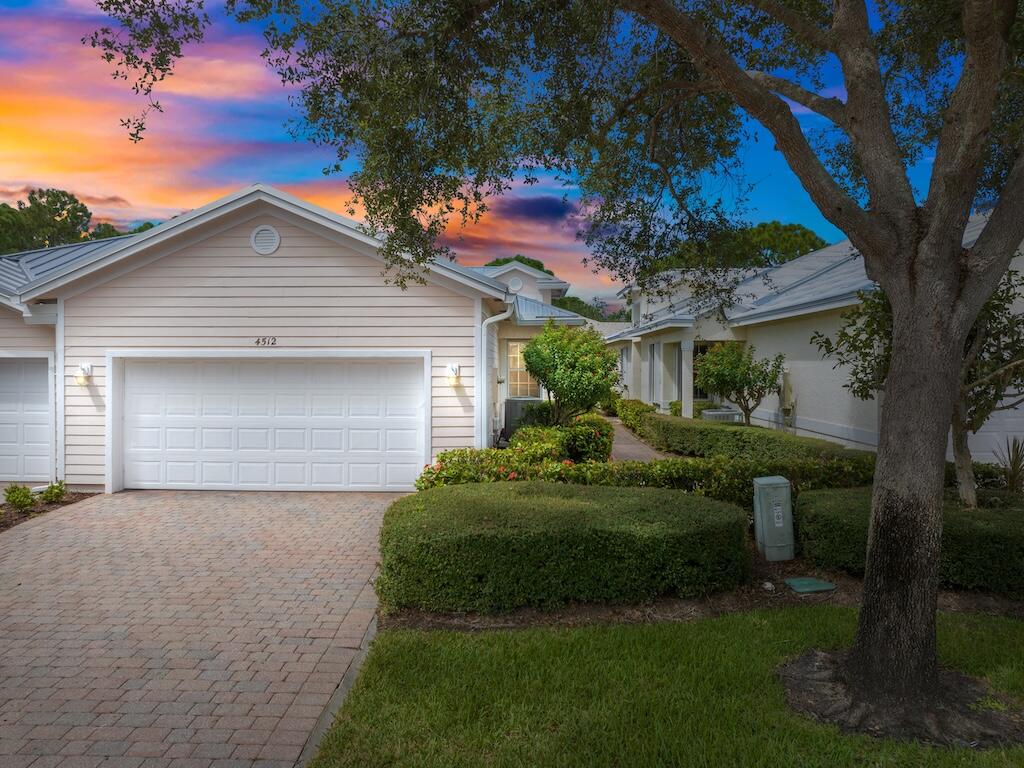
[[181, 629]]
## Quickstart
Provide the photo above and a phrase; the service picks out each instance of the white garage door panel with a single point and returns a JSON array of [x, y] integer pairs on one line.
[[25, 429], [283, 425]]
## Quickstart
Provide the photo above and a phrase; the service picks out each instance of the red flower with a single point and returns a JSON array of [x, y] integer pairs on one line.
[[512, 475], [568, 462]]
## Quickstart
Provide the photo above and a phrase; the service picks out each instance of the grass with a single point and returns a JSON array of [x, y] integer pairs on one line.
[[698, 694]]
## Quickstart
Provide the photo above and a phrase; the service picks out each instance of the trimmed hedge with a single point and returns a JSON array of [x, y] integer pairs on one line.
[[692, 437], [717, 477], [982, 549], [497, 548], [589, 438], [631, 411]]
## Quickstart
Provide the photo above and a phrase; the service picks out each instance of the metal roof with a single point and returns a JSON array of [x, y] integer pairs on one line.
[[823, 279], [533, 312], [18, 270]]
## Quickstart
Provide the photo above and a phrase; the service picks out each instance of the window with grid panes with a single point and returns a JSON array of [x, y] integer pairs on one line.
[[520, 384]]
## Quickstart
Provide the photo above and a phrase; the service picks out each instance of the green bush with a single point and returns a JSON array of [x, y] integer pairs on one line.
[[609, 406], [540, 414], [982, 548], [718, 477], [676, 407], [699, 406], [630, 412], [54, 493], [495, 548], [588, 438], [690, 437], [19, 497]]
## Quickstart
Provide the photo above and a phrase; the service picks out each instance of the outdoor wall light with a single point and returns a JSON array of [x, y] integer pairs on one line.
[[83, 374], [454, 371]]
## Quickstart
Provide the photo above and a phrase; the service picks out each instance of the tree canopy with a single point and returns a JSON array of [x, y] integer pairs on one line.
[[535, 263], [50, 217]]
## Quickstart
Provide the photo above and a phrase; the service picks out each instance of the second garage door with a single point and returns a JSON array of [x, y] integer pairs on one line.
[[273, 425]]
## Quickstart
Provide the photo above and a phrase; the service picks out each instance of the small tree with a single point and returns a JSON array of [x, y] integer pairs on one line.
[[574, 365], [992, 368], [730, 371]]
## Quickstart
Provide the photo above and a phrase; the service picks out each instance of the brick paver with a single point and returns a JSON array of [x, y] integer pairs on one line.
[[181, 629]]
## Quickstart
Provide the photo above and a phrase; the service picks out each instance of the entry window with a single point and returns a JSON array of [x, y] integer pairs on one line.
[[520, 383]]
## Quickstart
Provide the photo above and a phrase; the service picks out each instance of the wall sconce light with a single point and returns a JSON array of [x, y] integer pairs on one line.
[[454, 371], [83, 374]]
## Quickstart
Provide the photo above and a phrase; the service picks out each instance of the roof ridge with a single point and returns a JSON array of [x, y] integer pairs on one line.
[[807, 278], [84, 241]]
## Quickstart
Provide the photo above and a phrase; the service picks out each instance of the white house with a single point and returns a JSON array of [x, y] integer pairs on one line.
[[777, 310], [253, 344]]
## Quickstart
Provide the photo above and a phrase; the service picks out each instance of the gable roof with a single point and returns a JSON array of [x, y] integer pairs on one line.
[[28, 275], [545, 280]]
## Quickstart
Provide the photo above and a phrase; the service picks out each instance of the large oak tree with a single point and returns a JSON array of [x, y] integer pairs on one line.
[[641, 104]]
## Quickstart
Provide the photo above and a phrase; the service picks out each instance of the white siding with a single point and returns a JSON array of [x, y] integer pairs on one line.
[[311, 293], [16, 335]]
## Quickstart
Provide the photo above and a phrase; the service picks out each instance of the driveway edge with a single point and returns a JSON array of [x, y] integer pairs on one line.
[[333, 706]]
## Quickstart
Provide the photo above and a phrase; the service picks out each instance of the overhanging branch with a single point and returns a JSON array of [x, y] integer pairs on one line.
[[712, 58], [827, 107]]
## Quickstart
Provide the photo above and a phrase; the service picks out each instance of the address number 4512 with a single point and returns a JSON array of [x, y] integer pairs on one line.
[[266, 341]]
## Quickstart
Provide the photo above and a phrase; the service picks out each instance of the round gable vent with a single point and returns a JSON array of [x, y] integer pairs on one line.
[[515, 285], [265, 239]]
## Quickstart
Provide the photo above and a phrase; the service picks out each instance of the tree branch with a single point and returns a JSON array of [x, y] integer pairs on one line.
[[998, 242], [963, 140], [711, 57], [998, 373], [804, 29], [871, 132], [1008, 407], [688, 87], [830, 108]]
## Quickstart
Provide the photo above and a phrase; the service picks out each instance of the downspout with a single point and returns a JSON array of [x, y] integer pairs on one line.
[[485, 395]]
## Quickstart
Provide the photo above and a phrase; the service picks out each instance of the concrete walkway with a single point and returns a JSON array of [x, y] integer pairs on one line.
[[628, 447], [181, 630]]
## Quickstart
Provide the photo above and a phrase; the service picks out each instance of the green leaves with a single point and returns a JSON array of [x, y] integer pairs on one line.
[[574, 365], [730, 371]]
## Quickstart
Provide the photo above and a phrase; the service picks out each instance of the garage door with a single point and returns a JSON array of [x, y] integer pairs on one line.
[[273, 425], [26, 437]]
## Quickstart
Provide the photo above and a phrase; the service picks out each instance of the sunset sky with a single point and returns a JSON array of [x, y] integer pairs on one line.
[[224, 128]]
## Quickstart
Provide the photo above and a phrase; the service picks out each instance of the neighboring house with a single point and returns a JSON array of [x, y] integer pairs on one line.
[[254, 344], [777, 310]]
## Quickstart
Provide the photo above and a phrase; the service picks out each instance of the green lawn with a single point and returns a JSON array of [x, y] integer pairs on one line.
[[699, 694]]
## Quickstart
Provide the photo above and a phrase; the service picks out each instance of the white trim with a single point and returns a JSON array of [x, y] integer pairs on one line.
[[795, 310], [114, 479], [62, 428], [51, 392], [478, 373], [226, 205]]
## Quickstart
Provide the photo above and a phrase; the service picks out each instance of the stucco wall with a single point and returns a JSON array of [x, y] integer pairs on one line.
[[312, 293], [824, 408]]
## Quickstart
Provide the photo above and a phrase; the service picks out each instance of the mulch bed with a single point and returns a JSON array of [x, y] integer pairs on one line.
[[752, 596], [10, 517]]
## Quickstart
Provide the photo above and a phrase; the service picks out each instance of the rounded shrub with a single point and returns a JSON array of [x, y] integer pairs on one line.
[[982, 549], [497, 547]]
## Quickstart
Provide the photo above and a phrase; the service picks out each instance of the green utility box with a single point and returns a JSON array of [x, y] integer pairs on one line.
[[773, 518]]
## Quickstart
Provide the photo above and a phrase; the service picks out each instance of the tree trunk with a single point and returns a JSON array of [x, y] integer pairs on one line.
[[746, 416], [962, 457], [894, 654]]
